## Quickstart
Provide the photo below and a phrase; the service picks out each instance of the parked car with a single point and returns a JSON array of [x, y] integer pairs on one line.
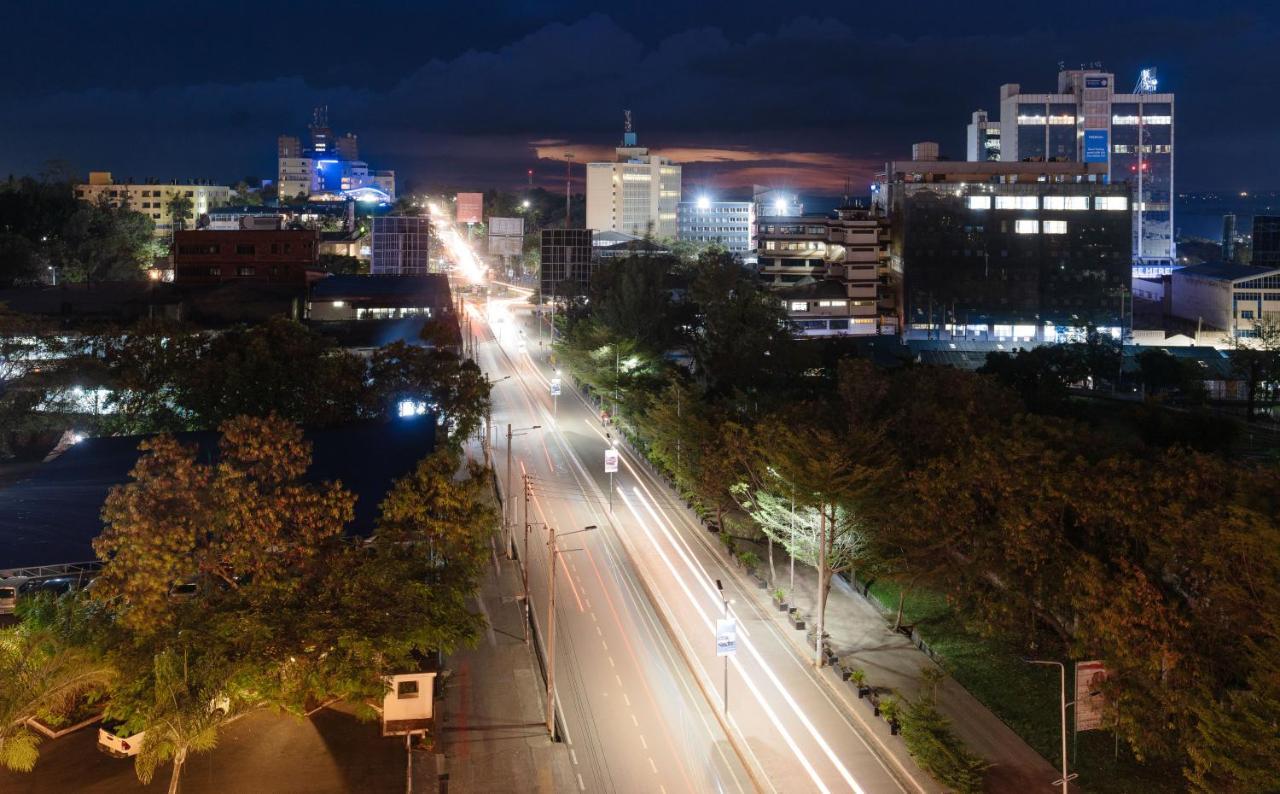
[[9, 589], [115, 741]]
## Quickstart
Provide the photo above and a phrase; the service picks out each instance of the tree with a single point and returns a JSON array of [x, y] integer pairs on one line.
[[341, 264], [1162, 372], [630, 298], [101, 242], [1257, 359], [146, 366], [180, 518], [435, 374], [39, 674], [183, 717], [180, 208]]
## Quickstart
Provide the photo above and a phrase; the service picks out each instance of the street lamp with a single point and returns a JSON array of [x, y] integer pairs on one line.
[[727, 602], [551, 627], [1062, 700]]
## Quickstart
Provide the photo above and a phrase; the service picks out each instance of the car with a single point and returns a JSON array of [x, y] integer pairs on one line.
[[9, 589], [182, 591], [56, 585], [115, 741]]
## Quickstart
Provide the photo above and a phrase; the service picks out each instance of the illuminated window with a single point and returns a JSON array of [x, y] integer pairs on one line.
[[799, 306], [1026, 227], [1055, 227], [1017, 203], [979, 202], [1066, 202], [1110, 203]]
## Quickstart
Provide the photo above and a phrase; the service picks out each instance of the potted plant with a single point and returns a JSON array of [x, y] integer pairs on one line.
[[889, 710], [859, 678], [780, 599], [797, 619], [749, 560]]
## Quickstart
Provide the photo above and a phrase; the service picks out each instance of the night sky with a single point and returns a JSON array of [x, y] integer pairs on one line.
[[466, 94]]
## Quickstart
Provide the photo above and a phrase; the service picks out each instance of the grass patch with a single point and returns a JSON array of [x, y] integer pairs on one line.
[[1024, 696]]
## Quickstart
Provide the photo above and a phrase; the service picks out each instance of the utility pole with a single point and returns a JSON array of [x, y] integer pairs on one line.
[[720, 587], [524, 559], [511, 541], [1062, 700], [551, 628]]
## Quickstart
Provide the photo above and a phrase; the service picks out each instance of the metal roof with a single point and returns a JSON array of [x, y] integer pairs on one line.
[[1226, 271]]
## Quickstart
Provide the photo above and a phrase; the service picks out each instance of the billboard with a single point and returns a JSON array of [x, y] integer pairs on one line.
[[470, 207], [610, 461], [1095, 82], [726, 637], [506, 227], [1089, 699], [506, 246], [1095, 146]]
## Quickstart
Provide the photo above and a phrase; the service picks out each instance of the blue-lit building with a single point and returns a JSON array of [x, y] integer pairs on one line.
[[329, 169], [728, 223]]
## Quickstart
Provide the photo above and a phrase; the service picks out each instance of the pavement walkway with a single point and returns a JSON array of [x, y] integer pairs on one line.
[[860, 634], [490, 730]]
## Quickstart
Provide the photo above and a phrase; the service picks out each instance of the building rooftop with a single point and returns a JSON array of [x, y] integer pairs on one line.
[[349, 287], [1226, 271], [52, 514]]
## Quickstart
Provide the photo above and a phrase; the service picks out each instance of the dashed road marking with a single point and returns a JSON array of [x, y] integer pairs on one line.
[[643, 743], [611, 664], [626, 699], [605, 645], [581, 786], [574, 756], [619, 678], [635, 721], [653, 766]]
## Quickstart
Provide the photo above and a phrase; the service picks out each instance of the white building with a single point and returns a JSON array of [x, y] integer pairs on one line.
[[637, 194], [1226, 297], [1087, 120], [728, 223], [152, 198], [983, 138]]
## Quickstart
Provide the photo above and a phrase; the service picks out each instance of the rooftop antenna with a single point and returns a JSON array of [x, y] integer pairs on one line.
[[628, 132], [1147, 82]]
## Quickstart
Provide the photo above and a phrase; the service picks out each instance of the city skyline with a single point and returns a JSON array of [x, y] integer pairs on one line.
[[807, 100]]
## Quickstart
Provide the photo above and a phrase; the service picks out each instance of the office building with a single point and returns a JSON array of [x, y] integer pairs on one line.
[[328, 168], [152, 197], [1226, 297], [730, 224], [1266, 241], [775, 203], [1086, 120], [636, 194], [567, 263], [399, 245], [996, 251], [272, 256], [1229, 237], [832, 273], [983, 138]]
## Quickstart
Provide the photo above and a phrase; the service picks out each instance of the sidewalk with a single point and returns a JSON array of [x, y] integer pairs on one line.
[[491, 734], [861, 637]]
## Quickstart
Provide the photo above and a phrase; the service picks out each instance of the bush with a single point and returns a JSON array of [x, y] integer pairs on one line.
[[727, 540], [938, 750], [749, 559]]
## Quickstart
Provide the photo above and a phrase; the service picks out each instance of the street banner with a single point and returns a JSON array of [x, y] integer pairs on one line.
[[1089, 697], [610, 461], [555, 387], [470, 207], [726, 637]]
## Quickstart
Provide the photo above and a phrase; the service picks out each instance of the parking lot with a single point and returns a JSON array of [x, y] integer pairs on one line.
[[331, 751]]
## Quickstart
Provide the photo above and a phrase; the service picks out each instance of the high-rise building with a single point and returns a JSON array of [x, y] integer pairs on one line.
[[347, 147], [399, 245], [1266, 241], [993, 251], [729, 223], [1088, 121], [637, 194], [321, 133], [328, 168], [832, 272], [152, 198], [1229, 237], [775, 203], [567, 262], [983, 138]]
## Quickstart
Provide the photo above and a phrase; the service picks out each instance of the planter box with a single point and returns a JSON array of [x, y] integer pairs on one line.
[[783, 606], [760, 582], [797, 620]]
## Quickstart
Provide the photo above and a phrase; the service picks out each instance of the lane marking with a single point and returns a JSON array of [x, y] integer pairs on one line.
[[653, 766], [643, 743], [626, 699], [581, 786]]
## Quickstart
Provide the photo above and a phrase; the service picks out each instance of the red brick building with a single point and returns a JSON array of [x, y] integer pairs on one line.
[[271, 256]]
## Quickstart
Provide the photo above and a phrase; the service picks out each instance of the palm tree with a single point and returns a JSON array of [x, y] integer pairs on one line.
[[184, 718], [39, 674]]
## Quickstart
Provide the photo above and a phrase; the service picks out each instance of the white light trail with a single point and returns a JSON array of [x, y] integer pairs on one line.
[[458, 249]]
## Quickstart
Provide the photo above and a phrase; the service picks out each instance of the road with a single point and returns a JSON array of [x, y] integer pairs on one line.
[[639, 682]]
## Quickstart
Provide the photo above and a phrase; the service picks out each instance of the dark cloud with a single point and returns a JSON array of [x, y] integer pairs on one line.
[[742, 90]]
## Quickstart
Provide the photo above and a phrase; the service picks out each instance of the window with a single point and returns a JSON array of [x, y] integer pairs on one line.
[[1017, 203], [215, 271], [1246, 314], [1026, 227], [1110, 203], [245, 271], [1055, 227], [1066, 202], [406, 690], [979, 202], [799, 306], [244, 249]]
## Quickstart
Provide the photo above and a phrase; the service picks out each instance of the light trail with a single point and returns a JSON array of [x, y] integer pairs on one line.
[[459, 250]]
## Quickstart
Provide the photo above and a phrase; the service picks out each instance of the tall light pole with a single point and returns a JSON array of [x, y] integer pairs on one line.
[[511, 485], [551, 628], [720, 588], [1062, 700]]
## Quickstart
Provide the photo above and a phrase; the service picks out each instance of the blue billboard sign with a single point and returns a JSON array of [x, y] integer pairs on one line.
[[1095, 82], [1095, 146]]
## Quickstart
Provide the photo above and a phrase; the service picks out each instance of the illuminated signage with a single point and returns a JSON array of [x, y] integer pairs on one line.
[[1095, 146], [1095, 82]]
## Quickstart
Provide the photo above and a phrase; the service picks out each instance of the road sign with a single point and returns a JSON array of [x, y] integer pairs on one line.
[[610, 461], [726, 637], [555, 387]]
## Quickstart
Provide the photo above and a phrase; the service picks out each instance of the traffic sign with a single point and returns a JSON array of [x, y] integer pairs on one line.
[[555, 387], [726, 637], [610, 461]]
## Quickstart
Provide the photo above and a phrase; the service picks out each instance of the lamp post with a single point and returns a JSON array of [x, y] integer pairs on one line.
[[1062, 700], [720, 588], [511, 486], [551, 628]]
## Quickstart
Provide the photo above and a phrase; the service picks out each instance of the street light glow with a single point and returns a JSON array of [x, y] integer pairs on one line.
[[704, 203]]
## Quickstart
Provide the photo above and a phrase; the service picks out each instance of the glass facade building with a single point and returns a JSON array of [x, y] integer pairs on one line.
[[399, 245], [729, 223], [1266, 240], [566, 262]]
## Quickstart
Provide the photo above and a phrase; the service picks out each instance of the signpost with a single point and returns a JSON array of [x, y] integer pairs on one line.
[[726, 642], [1089, 699], [555, 398], [610, 468]]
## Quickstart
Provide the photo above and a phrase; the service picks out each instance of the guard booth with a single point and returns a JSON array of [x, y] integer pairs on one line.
[[408, 707]]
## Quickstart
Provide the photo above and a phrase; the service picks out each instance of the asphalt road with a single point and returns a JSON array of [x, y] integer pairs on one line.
[[640, 684]]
